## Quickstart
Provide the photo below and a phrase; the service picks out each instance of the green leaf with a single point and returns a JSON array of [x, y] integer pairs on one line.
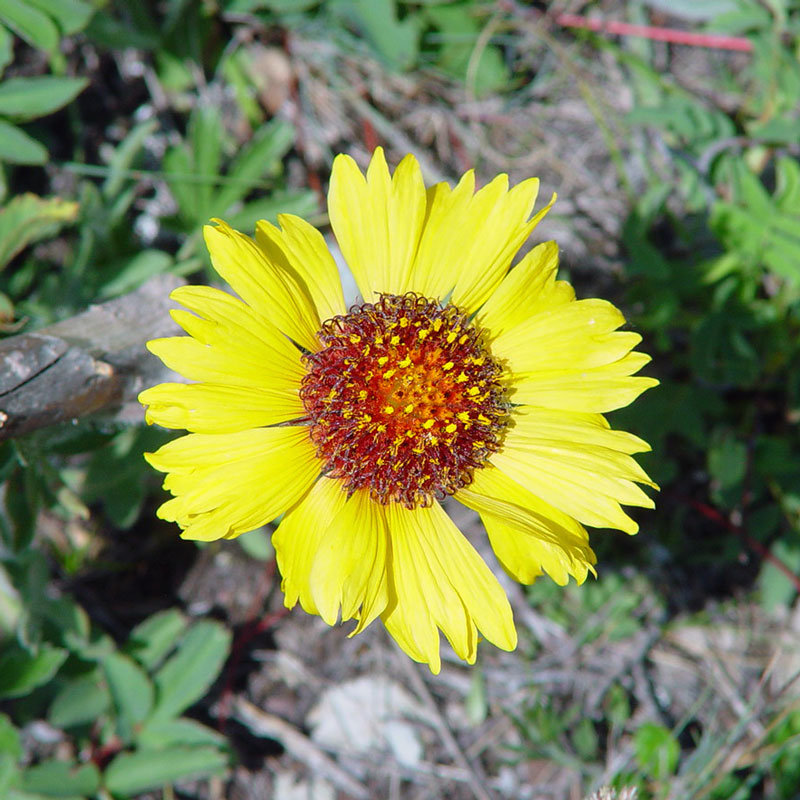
[[16, 147], [9, 771], [268, 145], [6, 48], [459, 33], [71, 15], [123, 158], [188, 674], [151, 640], [67, 623], [132, 773], [179, 172], [135, 271], [776, 588], [61, 779], [34, 26], [657, 750], [11, 605], [776, 131], [23, 99], [22, 671], [395, 41], [257, 544], [28, 219], [160, 733], [205, 137], [9, 738], [131, 692], [727, 459], [81, 701], [475, 703]]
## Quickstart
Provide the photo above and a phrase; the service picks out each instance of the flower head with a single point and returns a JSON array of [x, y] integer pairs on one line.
[[456, 375]]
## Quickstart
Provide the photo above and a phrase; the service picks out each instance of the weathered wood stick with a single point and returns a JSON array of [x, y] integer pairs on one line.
[[95, 360]]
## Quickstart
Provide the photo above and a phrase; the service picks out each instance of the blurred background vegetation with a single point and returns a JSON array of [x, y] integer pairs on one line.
[[128, 658]]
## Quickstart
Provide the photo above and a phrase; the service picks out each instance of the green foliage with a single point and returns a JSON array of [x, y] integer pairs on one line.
[[447, 35], [203, 188], [28, 218], [23, 99], [721, 302], [87, 684]]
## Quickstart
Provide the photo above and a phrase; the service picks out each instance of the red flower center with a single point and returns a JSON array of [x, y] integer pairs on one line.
[[404, 399]]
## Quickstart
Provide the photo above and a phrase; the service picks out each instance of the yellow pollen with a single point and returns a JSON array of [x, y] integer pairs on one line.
[[473, 390], [463, 416], [388, 374], [362, 395], [437, 324], [403, 322], [394, 340], [406, 362], [409, 408], [451, 337], [422, 334], [447, 366], [382, 360], [461, 378], [388, 409], [463, 339], [451, 428], [355, 338], [428, 424]]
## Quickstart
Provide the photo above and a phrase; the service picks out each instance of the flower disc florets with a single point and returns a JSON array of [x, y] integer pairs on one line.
[[404, 399]]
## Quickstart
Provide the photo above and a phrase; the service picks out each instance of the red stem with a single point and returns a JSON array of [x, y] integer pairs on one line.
[[672, 35], [709, 512]]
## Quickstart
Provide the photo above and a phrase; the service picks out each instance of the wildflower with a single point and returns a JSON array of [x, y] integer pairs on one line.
[[455, 376]]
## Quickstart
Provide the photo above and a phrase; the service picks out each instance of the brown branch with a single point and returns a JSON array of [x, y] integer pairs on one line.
[[95, 360]]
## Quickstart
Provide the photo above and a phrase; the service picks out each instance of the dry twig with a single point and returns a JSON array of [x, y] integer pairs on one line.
[[89, 362]]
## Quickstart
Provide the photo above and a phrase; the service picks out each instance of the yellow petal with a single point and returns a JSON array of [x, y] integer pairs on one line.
[[300, 248], [594, 390], [470, 240], [349, 568], [577, 334], [436, 579], [562, 462], [528, 535], [215, 408], [231, 343], [436, 267], [230, 483], [377, 220], [528, 289], [266, 287], [548, 426], [300, 535]]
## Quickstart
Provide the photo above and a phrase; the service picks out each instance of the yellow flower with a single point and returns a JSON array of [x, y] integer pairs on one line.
[[455, 376]]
